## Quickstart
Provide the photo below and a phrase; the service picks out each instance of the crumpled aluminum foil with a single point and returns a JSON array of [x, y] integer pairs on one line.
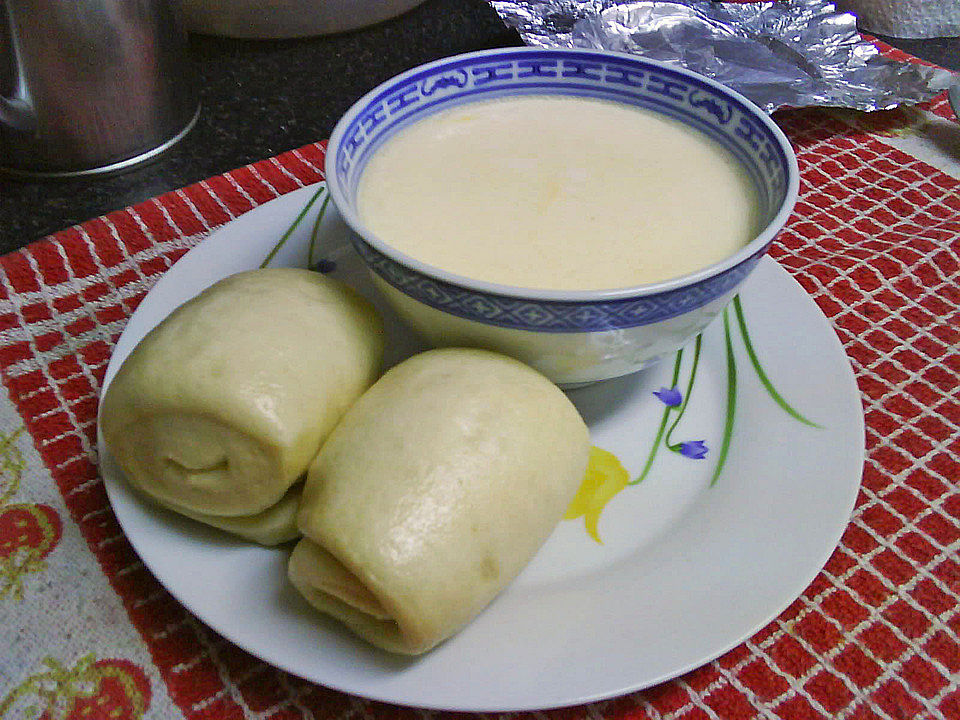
[[779, 54]]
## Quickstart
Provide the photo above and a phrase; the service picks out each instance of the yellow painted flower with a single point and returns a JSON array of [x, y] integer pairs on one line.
[[604, 478]]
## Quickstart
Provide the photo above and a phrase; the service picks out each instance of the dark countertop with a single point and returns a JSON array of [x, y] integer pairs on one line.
[[260, 98]]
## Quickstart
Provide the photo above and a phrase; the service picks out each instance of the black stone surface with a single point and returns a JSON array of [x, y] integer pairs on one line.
[[944, 52], [260, 98]]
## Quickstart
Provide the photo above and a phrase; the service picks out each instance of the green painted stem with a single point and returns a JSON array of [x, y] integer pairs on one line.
[[675, 447], [315, 235], [289, 232], [663, 426], [731, 400], [764, 380]]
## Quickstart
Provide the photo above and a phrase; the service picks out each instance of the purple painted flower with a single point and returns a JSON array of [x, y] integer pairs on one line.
[[670, 397], [694, 449]]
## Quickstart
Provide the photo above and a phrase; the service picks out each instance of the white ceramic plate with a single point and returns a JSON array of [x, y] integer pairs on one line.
[[687, 569]]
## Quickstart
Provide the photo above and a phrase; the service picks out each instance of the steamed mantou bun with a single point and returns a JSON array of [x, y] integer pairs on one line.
[[437, 487], [220, 408], [277, 524]]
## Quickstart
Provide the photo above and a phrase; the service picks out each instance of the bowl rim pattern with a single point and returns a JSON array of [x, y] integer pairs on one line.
[[457, 294], [552, 316]]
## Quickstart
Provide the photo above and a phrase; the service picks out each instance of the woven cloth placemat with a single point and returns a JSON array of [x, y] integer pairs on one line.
[[86, 631]]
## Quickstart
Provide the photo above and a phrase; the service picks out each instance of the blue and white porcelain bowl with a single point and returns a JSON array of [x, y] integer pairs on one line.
[[573, 337]]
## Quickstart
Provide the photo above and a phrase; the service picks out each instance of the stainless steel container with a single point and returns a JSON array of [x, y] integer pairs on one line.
[[90, 86]]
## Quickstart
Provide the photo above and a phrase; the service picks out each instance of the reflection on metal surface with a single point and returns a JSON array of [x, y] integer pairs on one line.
[[778, 54], [92, 85]]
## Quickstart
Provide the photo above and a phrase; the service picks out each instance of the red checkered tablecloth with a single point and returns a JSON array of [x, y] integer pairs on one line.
[[86, 631]]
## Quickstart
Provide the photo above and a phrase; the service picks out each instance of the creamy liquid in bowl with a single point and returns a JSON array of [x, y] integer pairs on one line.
[[557, 192]]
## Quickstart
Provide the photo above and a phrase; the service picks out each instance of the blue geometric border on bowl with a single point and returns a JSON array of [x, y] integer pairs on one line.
[[454, 81], [551, 316], [687, 98]]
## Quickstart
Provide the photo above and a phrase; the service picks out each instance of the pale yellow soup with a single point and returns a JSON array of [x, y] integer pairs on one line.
[[558, 192]]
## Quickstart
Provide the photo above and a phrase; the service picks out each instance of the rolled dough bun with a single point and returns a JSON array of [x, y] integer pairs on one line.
[[437, 487], [275, 525], [220, 408]]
